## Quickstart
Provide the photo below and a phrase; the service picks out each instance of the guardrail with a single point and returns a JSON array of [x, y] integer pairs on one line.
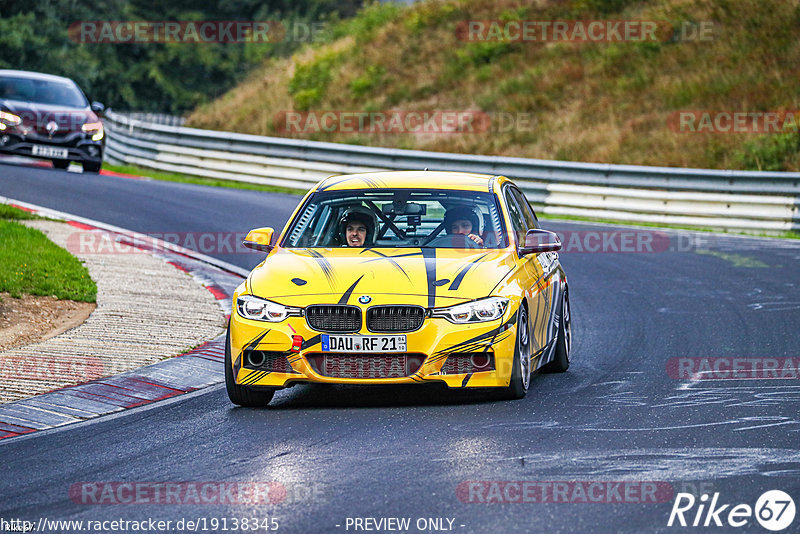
[[725, 200]]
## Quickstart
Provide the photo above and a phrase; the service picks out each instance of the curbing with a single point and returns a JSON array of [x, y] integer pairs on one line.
[[193, 370]]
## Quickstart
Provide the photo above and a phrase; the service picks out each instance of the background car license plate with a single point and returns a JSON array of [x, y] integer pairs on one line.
[[50, 152], [358, 343]]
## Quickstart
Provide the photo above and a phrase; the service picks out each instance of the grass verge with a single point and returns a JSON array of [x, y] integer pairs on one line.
[[11, 213], [31, 264], [616, 101], [187, 179]]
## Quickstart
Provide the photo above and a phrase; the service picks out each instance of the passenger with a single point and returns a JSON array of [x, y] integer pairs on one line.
[[462, 220]]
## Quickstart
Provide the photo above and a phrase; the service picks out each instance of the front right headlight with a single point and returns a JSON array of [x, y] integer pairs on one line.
[[478, 311], [94, 128], [258, 309]]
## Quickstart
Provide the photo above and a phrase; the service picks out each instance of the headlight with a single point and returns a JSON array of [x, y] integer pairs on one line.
[[95, 128], [487, 309], [259, 309], [8, 119]]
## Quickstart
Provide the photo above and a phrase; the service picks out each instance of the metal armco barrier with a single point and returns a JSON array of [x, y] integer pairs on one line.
[[752, 201]]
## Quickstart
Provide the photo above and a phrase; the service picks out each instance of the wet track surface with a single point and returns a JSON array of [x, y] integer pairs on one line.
[[622, 413]]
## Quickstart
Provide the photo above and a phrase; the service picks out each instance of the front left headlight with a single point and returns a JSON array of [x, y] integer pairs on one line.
[[94, 128], [9, 119], [479, 311], [259, 309]]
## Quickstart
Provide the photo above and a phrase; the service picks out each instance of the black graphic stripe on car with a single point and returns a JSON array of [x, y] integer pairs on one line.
[[463, 272], [429, 255], [491, 334], [390, 259], [254, 377], [325, 265], [346, 295]]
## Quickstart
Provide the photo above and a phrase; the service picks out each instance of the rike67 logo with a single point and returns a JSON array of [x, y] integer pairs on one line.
[[774, 510]]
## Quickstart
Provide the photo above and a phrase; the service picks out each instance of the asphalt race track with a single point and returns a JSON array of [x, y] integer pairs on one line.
[[608, 445]]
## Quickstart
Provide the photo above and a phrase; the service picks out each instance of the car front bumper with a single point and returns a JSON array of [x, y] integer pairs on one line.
[[79, 145], [436, 352]]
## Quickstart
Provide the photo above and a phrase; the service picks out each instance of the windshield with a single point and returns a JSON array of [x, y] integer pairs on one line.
[[399, 218], [41, 92]]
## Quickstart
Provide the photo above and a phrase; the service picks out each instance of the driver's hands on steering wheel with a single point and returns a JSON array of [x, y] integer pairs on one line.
[[478, 239]]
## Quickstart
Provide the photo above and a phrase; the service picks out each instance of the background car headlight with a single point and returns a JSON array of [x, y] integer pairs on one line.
[[8, 119], [94, 128], [259, 309], [487, 309]]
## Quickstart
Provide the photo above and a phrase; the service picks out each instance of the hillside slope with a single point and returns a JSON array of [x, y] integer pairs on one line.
[[613, 102]]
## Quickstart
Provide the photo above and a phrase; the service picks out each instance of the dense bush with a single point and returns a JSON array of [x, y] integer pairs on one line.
[[165, 77]]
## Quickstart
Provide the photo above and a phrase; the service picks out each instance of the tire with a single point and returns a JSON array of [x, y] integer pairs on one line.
[[241, 395], [521, 370], [560, 361], [60, 163], [92, 166]]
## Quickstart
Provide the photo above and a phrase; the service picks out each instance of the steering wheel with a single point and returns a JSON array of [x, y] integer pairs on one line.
[[453, 241]]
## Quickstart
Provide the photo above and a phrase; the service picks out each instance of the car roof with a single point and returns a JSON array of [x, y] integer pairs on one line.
[[34, 75], [462, 181]]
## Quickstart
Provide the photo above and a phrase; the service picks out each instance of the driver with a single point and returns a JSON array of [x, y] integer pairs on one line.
[[462, 220], [356, 226]]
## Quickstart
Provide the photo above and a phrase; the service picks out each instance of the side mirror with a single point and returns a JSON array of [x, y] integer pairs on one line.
[[537, 241], [259, 239], [98, 107]]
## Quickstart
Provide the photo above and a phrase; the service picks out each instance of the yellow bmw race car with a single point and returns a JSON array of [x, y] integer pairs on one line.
[[401, 277]]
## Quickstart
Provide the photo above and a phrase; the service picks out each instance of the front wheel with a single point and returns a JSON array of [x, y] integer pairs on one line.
[[560, 361], [521, 370], [92, 166], [241, 395]]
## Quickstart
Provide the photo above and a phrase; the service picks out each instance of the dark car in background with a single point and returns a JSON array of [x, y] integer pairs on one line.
[[49, 117]]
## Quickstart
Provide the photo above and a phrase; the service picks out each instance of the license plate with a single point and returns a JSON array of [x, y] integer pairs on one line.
[[50, 152], [368, 344]]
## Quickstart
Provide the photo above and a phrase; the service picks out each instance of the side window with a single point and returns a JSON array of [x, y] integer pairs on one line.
[[525, 208], [518, 221]]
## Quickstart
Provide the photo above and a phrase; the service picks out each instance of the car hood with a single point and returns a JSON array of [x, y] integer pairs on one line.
[[425, 277], [37, 116]]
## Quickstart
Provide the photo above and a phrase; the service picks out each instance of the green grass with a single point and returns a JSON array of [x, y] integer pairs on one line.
[[603, 102], [10, 212], [769, 152], [311, 80], [187, 179], [738, 260], [31, 264]]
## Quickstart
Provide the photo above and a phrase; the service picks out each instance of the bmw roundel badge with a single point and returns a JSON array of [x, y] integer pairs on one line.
[[364, 299]]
